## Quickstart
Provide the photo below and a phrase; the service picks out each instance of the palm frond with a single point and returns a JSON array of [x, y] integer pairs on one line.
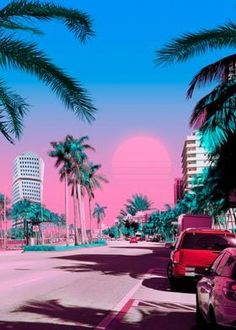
[[217, 130], [27, 57], [4, 128], [212, 102], [190, 44], [14, 108], [219, 70], [7, 24], [76, 21]]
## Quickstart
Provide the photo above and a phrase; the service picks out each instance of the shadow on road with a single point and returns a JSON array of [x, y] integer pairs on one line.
[[151, 315], [134, 265], [117, 264], [64, 317], [163, 316]]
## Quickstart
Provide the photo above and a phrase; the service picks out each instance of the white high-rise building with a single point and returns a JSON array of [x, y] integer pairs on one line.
[[28, 178], [194, 159]]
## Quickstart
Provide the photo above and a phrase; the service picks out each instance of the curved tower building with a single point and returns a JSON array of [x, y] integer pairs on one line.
[[28, 178]]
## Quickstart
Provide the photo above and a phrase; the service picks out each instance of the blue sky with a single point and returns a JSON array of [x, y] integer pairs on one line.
[[117, 68]]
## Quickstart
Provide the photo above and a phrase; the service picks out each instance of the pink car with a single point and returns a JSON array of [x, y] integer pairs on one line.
[[216, 292]]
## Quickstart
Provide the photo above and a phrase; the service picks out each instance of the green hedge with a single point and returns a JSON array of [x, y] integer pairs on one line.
[[62, 248]]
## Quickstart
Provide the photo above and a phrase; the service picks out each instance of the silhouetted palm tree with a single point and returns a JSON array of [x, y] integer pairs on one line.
[[26, 56]]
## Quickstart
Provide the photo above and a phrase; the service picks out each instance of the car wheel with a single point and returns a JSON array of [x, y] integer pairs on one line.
[[199, 317], [174, 283]]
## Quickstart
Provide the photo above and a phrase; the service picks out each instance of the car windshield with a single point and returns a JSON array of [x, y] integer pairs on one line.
[[198, 241]]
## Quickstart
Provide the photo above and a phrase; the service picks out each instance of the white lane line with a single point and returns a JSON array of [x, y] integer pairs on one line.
[[4, 287], [28, 281], [113, 314]]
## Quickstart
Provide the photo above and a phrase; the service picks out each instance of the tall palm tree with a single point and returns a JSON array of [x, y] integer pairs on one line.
[[71, 156], [99, 213], [92, 180], [26, 56], [63, 152], [79, 174]]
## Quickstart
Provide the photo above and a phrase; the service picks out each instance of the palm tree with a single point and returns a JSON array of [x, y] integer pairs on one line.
[[99, 213], [92, 181], [215, 113], [62, 151], [71, 156], [20, 214], [79, 176], [26, 56], [138, 202]]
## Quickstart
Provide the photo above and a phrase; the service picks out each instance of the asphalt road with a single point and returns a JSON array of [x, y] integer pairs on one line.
[[120, 286]]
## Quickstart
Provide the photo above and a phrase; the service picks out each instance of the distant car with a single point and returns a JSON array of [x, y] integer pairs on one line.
[[133, 240], [196, 248], [216, 292]]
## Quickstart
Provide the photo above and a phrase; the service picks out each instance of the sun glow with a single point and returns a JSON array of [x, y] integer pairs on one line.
[[141, 156]]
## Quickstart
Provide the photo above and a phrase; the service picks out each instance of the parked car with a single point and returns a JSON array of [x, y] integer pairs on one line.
[[216, 292], [196, 248], [133, 239]]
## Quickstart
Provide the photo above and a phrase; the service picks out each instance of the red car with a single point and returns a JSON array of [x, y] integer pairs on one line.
[[196, 249], [133, 240]]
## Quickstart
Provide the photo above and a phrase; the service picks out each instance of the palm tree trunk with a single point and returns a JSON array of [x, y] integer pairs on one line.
[[66, 209], [83, 239], [83, 220], [90, 220], [75, 219]]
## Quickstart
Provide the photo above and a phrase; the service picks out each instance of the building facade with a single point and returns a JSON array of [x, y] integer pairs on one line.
[[194, 160], [28, 178]]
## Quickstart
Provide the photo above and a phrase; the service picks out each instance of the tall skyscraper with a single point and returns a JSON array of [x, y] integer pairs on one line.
[[194, 159], [28, 178]]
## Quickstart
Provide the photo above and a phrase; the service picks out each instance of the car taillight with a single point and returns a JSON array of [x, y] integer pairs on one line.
[[177, 257], [229, 290]]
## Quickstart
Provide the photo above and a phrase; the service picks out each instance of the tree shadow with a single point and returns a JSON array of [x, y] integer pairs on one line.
[[116, 264], [134, 265], [80, 317], [164, 316], [152, 315]]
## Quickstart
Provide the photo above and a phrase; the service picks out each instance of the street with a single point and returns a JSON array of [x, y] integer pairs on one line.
[[120, 286]]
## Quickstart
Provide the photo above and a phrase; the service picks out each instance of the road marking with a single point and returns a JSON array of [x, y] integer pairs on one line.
[[29, 281], [123, 306]]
